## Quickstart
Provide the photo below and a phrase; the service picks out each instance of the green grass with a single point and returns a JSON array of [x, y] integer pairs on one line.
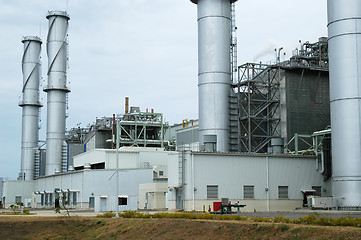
[[313, 219]]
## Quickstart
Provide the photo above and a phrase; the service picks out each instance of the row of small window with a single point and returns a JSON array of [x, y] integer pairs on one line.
[[47, 198], [248, 192]]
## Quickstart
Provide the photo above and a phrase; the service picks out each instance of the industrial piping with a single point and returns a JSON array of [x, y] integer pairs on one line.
[[30, 105], [344, 48], [56, 89], [214, 70]]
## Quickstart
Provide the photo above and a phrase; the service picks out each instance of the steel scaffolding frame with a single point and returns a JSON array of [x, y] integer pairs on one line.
[[258, 106], [142, 129]]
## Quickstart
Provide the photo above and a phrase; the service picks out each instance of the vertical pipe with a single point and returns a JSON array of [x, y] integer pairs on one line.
[[117, 169], [214, 70], [113, 131], [193, 185], [267, 183], [56, 89], [126, 105], [344, 43], [30, 105]]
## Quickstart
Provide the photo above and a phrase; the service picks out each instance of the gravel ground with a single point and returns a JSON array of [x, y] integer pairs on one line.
[[289, 214]]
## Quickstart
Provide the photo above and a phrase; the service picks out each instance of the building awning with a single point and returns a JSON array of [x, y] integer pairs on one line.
[[72, 190], [308, 190], [57, 191]]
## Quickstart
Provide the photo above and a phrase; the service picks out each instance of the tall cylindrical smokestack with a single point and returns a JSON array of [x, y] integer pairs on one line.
[[30, 105], [56, 89], [214, 70], [344, 44]]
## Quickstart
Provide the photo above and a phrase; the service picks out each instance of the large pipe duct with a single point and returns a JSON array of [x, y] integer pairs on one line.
[[214, 70], [56, 89], [344, 48], [30, 105]]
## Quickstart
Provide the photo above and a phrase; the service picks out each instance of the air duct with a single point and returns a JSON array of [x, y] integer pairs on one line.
[[214, 70], [344, 48], [56, 89], [30, 105]]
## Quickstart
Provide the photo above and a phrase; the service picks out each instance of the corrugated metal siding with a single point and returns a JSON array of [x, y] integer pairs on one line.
[[187, 136], [232, 172], [308, 102]]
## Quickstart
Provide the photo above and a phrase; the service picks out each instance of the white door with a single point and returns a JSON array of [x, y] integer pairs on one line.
[[103, 204]]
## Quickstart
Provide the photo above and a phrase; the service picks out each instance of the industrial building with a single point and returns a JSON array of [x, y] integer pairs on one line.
[[273, 100], [263, 137], [261, 182], [1, 191]]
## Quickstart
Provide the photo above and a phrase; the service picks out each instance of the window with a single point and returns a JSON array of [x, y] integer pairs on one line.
[[248, 192], [160, 173], [74, 198], [91, 202], [17, 199], [283, 192], [50, 199], [122, 201], [46, 199], [317, 190], [212, 191], [42, 200], [68, 198]]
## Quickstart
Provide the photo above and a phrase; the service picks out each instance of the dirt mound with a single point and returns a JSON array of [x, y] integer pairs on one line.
[[133, 228]]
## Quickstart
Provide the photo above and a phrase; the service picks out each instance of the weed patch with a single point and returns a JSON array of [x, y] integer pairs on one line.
[[109, 214]]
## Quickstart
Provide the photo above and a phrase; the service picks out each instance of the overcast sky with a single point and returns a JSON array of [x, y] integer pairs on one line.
[[144, 49]]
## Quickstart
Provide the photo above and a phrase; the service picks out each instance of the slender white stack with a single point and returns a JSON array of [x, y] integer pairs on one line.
[[56, 90], [30, 105]]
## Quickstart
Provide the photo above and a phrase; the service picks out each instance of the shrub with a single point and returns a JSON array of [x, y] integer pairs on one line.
[[109, 214], [281, 219], [26, 211], [129, 214], [261, 219]]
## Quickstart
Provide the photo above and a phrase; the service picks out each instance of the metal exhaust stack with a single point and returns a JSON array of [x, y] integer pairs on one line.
[[56, 89], [30, 105], [344, 21], [214, 70], [126, 105]]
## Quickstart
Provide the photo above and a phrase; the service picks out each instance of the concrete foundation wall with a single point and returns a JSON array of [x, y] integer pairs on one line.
[[251, 205]]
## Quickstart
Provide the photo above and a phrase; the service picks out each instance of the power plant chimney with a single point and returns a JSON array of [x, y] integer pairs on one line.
[[30, 105], [214, 70], [57, 89], [344, 49]]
